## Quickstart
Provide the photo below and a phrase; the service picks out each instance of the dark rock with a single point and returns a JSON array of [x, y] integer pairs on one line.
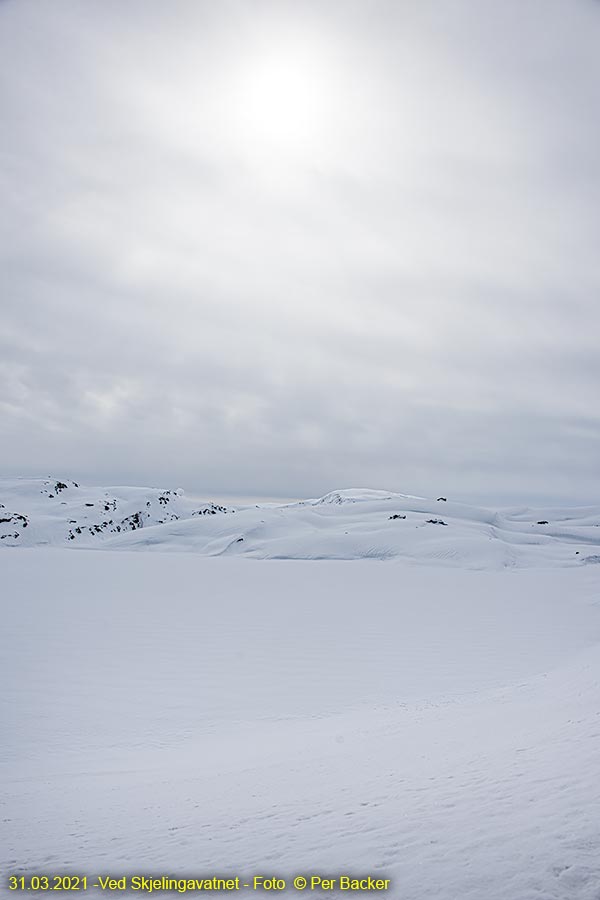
[[19, 519], [130, 523], [212, 510]]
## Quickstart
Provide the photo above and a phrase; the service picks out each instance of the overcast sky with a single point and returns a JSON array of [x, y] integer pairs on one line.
[[285, 247]]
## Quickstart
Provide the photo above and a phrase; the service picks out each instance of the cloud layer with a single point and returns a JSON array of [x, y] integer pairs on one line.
[[282, 248]]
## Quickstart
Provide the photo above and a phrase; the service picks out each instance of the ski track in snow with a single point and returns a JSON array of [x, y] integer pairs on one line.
[[434, 719]]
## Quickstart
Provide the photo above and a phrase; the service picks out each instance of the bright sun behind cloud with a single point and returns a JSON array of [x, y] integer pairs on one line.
[[283, 99]]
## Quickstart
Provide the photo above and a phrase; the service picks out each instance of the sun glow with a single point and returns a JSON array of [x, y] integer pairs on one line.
[[284, 99]]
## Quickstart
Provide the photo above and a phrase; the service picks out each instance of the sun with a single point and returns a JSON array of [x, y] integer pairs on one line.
[[282, 98]]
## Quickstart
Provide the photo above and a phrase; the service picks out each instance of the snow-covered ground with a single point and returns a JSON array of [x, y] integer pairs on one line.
[[349, 524], [201, 713]]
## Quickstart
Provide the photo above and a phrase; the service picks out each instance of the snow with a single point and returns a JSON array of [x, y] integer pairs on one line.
[[433, 719], [347, 524]]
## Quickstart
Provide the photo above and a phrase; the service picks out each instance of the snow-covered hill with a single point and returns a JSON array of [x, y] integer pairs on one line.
[[346, 524], [170, 713], [42, 511]]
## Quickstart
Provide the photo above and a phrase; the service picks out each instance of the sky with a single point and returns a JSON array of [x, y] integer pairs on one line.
[[280, 248]]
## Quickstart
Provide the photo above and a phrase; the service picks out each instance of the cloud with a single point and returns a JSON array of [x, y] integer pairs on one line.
[[285, 248]]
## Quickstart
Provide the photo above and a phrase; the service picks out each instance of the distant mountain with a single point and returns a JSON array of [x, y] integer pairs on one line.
[[37, 511], [344, 524]]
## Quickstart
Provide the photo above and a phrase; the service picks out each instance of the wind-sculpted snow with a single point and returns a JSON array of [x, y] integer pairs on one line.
[[344, 524], [174, 714]]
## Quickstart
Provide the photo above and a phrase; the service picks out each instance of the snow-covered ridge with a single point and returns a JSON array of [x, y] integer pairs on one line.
[[36, 511], [345, 524]]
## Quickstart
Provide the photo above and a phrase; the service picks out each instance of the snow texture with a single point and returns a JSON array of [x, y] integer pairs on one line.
[[434, 719], [348, 524]]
